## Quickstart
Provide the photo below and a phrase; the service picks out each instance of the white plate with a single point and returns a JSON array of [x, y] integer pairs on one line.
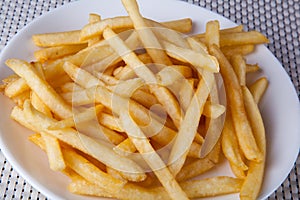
[[280, 105]]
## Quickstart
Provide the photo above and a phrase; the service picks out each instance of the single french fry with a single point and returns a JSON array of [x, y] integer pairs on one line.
[[45, 92], [93, 18], [114, 173], [82, 77], [237, 171], [239, 38], [238, 28], [213, 110], [252, 68], [52, 53], [252, 184], [212, 34], [234, 29], [57, 39], [210, 187], [198, 59], [230, 146], [144, 98], [194, 169], [258, 88], [197, 45], [239, 66], [125, 148], [238, 49], [53, 150], [36, 138], [186, 93], [242, 126], [215, 153], [181, 25], [15, 87], [38, 104], [110, 121], [242, 38], [18, 115], [10, 78], [165, 34], [92, 30], [124, 22], [80, 117], [54, 153], [125, 73], [195, 150], [168, 75]]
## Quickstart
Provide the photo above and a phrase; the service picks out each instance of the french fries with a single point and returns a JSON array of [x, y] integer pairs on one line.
[[137, 110], [241, 123], [45, 92], [256, 170]]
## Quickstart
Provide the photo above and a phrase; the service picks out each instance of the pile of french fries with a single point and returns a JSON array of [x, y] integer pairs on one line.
[[130, 108]]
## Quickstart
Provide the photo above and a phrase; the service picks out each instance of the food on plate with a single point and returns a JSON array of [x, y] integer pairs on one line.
[[131, 108]]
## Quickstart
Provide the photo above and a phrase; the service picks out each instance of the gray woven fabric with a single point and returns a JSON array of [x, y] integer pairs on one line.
[[279, 20]]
